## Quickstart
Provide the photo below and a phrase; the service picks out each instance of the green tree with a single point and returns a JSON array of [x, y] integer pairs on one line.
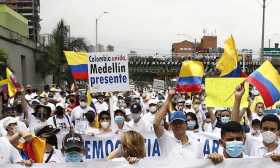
[[55, 60]]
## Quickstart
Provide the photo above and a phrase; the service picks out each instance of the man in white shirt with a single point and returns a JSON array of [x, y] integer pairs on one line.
[[77, 115], [259, 108], [270, 126], [137, 123], [179, 146], [8, 120], [150, 116], [60, 119], [101, 105], [233, 142], [45, 101]]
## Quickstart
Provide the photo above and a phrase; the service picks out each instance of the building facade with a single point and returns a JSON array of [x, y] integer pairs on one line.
[[30, 9]]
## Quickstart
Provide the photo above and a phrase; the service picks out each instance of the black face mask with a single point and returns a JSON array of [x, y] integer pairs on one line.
[[28, 91], [19, 109], [72, 100], [59, 112]]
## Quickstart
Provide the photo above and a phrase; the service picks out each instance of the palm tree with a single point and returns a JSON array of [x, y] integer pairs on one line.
[[55, 59]]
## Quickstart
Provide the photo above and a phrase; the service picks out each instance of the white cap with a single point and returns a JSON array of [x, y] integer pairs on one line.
[[153, 101], [188, 102], [60, 105], [8, 121]]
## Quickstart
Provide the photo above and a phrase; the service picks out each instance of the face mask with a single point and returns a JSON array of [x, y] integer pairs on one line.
[[72, 100], [191, 124], [105, 124], [73, 157], [256, 132], [234, 148], [135, 116], [119, 120], [59, 112], [83, 104], [43, 101], [269, 137], [225, 120], [153, 109]]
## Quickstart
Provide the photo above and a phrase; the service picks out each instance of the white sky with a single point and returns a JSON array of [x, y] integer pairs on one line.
[[149, 26]]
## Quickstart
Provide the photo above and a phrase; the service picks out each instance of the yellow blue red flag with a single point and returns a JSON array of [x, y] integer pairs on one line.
[[190, 77], [78, 63], [267, 80]]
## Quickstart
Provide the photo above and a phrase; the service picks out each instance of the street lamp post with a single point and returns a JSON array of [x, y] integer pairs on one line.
[[263, 26], [96, 31]]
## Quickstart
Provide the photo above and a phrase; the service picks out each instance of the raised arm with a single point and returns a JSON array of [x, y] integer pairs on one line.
[[239, 92], [159, 116]]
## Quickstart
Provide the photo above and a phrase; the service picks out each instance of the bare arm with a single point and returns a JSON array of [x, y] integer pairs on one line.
[[239, 92], [159, 116]]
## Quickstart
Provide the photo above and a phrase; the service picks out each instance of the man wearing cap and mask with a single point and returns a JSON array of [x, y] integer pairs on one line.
[[100, 105], [28, 96], [137, 123], [150, 116], [180, 145], [60, 119], [40, 116], [78, 117], [73, 147], [52, 154]]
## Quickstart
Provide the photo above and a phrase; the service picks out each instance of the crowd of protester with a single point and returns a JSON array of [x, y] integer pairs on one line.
[[176, 120]]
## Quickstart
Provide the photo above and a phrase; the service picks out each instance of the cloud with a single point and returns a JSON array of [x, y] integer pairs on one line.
[[152, 25]]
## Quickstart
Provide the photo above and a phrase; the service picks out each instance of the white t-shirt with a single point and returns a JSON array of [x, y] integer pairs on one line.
[[50, 105], [172, 147], [56, 157], [142, 126], [251, 144], [256, 116], [77, 115], [91, 131], [149, 120], [262, 152], [63, 124], [101, 107], [8, 154], [36, 123]]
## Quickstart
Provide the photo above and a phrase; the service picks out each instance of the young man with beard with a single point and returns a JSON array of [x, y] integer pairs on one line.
[[270, 126]]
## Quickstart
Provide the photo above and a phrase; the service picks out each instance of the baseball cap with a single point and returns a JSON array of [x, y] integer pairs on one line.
[[152, 102], [46, 130], [135, 108], [73, 142], [60, 105], [180, 100], [188, 102], [8, 121], [83, 98], [178, 115]]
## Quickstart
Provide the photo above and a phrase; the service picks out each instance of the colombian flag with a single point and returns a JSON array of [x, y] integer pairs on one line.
[[267, 80], [228, 63], [78, 63], [190, 77], [12, 83]]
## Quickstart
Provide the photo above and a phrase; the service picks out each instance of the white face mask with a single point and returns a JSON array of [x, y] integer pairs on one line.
[[105, 124], [153, 109], [135, 116], [83, 104], [269, 137]]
